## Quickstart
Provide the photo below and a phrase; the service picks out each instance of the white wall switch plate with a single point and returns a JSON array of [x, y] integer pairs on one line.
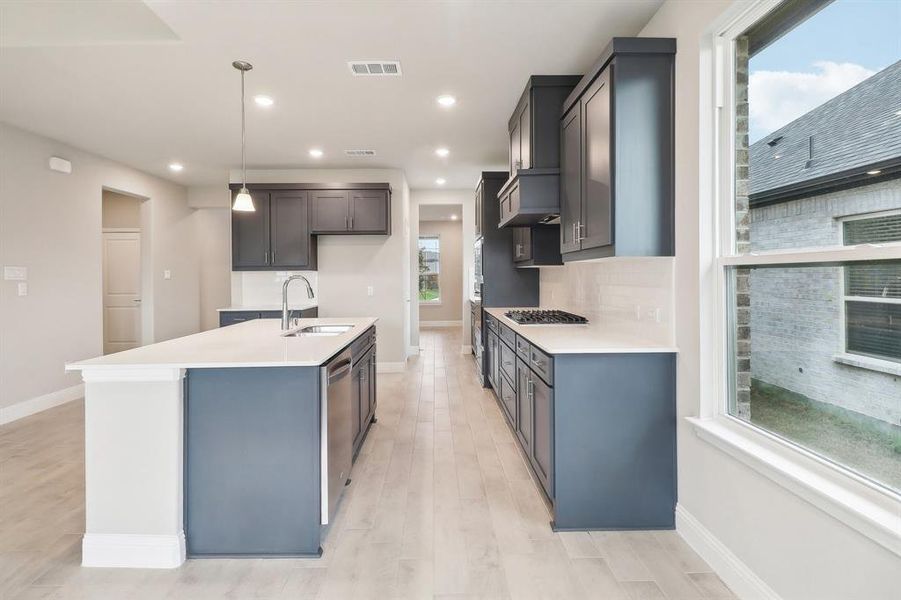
[[23, 289], [167, 274], [15, 273], [370, 291]]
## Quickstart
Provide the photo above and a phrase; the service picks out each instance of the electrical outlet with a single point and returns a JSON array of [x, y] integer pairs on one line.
[[638, 312], [167, 274], [370, 291], [23, 289], [15, 273], [653, 314]]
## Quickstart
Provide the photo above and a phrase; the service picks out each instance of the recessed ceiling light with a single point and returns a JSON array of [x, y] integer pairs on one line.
[[898, 113], [176, 167], [777, 156], [441, 181], [874, 172], [453, 217], [265, 101], [446, 100], [316, 153], [442, 152]]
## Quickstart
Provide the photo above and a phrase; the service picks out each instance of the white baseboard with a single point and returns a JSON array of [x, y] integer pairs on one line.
[[428, 324], [467, 349], [390, 367], [736, 574], [133, 551], [26, 408]]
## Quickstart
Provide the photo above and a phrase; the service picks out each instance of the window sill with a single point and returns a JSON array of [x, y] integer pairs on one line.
[[856, 502], [428, 303], [868, 362]]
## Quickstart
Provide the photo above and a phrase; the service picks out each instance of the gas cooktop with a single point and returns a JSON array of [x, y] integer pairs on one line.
[[545, 317]]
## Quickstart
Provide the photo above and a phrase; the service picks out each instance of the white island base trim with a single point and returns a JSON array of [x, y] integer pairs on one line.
[[134, 463], [133, 551]]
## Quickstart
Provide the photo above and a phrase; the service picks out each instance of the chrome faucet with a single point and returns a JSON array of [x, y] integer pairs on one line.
[[285, 319]]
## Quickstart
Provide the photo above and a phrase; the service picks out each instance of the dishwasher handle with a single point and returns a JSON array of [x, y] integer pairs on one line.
[[338, 370]]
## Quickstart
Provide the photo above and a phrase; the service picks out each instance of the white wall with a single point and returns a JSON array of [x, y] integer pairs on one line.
[[799, 551], [348, 264], [450, 271], [465, 198], [51, 223]]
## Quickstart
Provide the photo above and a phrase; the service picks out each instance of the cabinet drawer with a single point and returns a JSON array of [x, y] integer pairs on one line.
[[359, 345], [231, 317], [542, 364], [507, 335], [523, 348], [508, 361], [491, 322]]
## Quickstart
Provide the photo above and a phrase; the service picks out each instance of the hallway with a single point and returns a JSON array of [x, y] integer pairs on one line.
[[441, 506]]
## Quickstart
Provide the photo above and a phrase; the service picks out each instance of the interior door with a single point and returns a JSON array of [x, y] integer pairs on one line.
[[121, 291], [597, 184], [290, 230], [571, 179], [329, 211], [250, 234], [369, 211]]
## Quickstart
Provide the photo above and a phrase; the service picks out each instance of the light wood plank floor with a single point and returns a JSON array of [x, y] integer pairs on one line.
[[441, 506]]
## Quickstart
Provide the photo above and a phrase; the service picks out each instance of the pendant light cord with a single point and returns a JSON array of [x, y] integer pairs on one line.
[[243, 152]]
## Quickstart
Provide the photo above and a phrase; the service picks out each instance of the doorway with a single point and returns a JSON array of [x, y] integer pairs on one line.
[[122, 272], [440, 265]]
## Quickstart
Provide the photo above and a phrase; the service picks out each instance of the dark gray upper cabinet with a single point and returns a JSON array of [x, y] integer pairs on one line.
[[274, 236], [531, 194], [291, 245], [616, 132], [503, 284], [352, 211], [328, 211], [536, 246], [250, 235], [369, 211]]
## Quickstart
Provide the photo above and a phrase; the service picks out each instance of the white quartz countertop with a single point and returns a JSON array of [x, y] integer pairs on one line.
[[269, 307], [593, 338], [257, 343]]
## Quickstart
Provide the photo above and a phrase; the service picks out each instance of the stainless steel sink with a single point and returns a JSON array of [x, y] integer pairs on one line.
[[318, 331]]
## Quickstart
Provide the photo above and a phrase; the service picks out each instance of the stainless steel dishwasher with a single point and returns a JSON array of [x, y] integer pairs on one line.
[[337, 442]]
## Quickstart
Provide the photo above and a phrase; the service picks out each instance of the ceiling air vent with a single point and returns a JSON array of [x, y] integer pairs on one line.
[[358, 153], [375, 68]]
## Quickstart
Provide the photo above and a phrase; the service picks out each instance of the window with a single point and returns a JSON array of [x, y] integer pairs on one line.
[[873, 292], [810, 258], [429, 270]]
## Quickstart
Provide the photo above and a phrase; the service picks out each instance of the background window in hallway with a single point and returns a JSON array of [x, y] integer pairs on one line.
[[814, 347], [429, 269]]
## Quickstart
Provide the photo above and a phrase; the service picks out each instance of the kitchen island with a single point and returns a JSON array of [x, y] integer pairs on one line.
[[231, 442]]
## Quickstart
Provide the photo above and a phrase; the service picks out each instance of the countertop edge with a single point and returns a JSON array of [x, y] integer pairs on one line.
[[648, 348]]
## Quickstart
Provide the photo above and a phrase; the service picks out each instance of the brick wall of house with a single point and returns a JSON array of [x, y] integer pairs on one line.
[[796, 314]]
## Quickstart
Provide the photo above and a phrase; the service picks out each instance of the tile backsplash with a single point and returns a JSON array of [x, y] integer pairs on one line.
[[263, 288], [634, 294]]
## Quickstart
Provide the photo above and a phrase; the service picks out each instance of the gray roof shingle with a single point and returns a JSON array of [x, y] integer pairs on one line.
[[856, 129]]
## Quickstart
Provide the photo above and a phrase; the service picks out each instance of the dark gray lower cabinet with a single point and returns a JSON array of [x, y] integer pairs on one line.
[[363, 393], [230, 317], [599, 433]]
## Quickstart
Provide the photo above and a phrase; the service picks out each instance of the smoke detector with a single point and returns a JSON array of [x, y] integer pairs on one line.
[[358, 153], [374, 68]]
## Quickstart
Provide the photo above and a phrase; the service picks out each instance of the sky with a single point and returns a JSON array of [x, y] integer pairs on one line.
[[832, 51]]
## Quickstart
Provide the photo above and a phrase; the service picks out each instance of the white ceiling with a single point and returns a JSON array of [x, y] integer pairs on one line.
[[440, 212], [138, 97]]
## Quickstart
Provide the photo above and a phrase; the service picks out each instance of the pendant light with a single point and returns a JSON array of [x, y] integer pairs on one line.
[[243, 201]]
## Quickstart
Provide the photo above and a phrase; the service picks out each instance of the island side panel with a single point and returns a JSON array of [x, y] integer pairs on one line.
[[615, 441], [252, 461]]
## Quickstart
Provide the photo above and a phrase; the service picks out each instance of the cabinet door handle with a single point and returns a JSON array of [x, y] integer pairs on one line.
[[273, 257], [351, 223], [345, 223], [266, 256], [579, 229]]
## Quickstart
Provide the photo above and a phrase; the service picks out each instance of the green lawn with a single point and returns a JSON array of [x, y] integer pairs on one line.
[[429, 295], [869, 446]]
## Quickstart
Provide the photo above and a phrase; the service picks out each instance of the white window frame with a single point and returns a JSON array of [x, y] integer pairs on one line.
[[852, 499], [437, 302]]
